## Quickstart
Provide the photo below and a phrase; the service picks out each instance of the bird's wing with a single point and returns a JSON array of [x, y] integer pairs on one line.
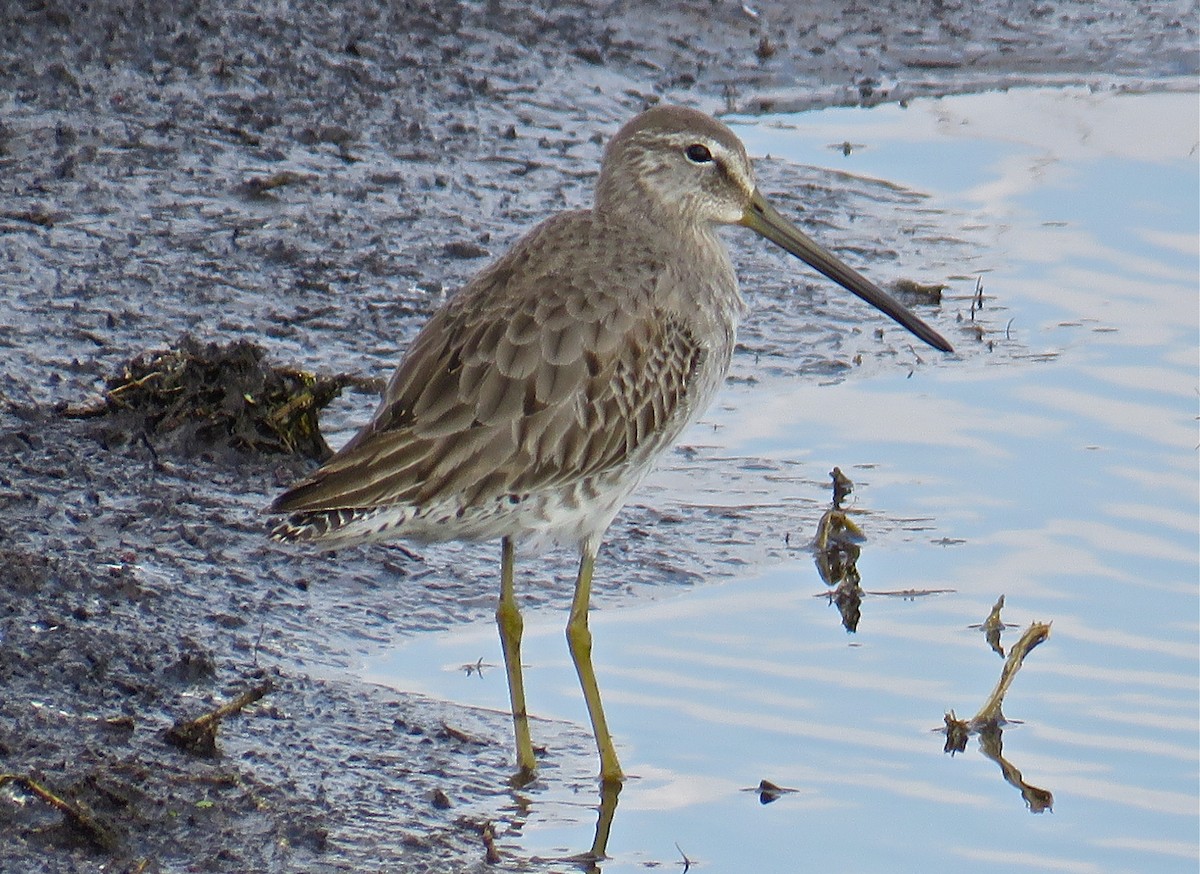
[[508, 390]]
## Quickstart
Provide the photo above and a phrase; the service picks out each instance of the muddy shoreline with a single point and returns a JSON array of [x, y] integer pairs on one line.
[[137, 142]]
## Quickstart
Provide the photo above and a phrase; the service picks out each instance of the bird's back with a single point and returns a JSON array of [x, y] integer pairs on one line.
[[536, 398]]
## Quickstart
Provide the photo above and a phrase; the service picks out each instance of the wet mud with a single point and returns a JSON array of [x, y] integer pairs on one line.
[[314, 182]]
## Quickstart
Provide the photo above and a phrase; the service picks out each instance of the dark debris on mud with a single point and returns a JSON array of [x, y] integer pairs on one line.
[[203, 398], [310, 180]]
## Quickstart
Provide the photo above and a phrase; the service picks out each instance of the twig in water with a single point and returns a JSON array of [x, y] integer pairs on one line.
[[994, 626], [989, 713]]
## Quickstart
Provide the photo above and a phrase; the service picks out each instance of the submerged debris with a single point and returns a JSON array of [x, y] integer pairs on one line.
[[200, 397]]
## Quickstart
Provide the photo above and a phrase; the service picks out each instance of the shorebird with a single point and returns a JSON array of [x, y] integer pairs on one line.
[[534, 401]]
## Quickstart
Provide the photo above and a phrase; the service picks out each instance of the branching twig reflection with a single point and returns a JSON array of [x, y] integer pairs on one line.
[[988, 723]]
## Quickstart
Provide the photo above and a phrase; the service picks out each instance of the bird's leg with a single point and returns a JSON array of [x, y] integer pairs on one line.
[[508, 618], [579, 639]]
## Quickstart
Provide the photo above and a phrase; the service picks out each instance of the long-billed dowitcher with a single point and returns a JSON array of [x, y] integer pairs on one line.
[[537, 398]]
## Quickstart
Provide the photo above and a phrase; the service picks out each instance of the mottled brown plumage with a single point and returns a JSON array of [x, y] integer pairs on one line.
[[537, 398], [528, 382]]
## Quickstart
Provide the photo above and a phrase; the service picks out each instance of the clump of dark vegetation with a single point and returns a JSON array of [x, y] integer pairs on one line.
[[206, 397]]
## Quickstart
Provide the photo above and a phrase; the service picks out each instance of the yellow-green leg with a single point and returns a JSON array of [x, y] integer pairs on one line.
[[579, 640], [508, 619]]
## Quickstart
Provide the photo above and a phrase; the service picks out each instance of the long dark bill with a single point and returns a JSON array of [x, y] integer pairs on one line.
[[764, 219]]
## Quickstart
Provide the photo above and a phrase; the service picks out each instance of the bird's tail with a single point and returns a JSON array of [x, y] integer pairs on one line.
[[341, 526], [319, 525]]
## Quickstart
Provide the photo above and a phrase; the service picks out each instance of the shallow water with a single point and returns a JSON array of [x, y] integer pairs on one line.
[[1055, 466]]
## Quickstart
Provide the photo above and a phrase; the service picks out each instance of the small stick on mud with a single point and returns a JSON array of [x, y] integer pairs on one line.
[[457, 734], [76, 818], [199, 736]]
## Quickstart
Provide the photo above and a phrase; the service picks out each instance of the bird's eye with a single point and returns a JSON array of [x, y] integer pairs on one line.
[[698, 153]]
